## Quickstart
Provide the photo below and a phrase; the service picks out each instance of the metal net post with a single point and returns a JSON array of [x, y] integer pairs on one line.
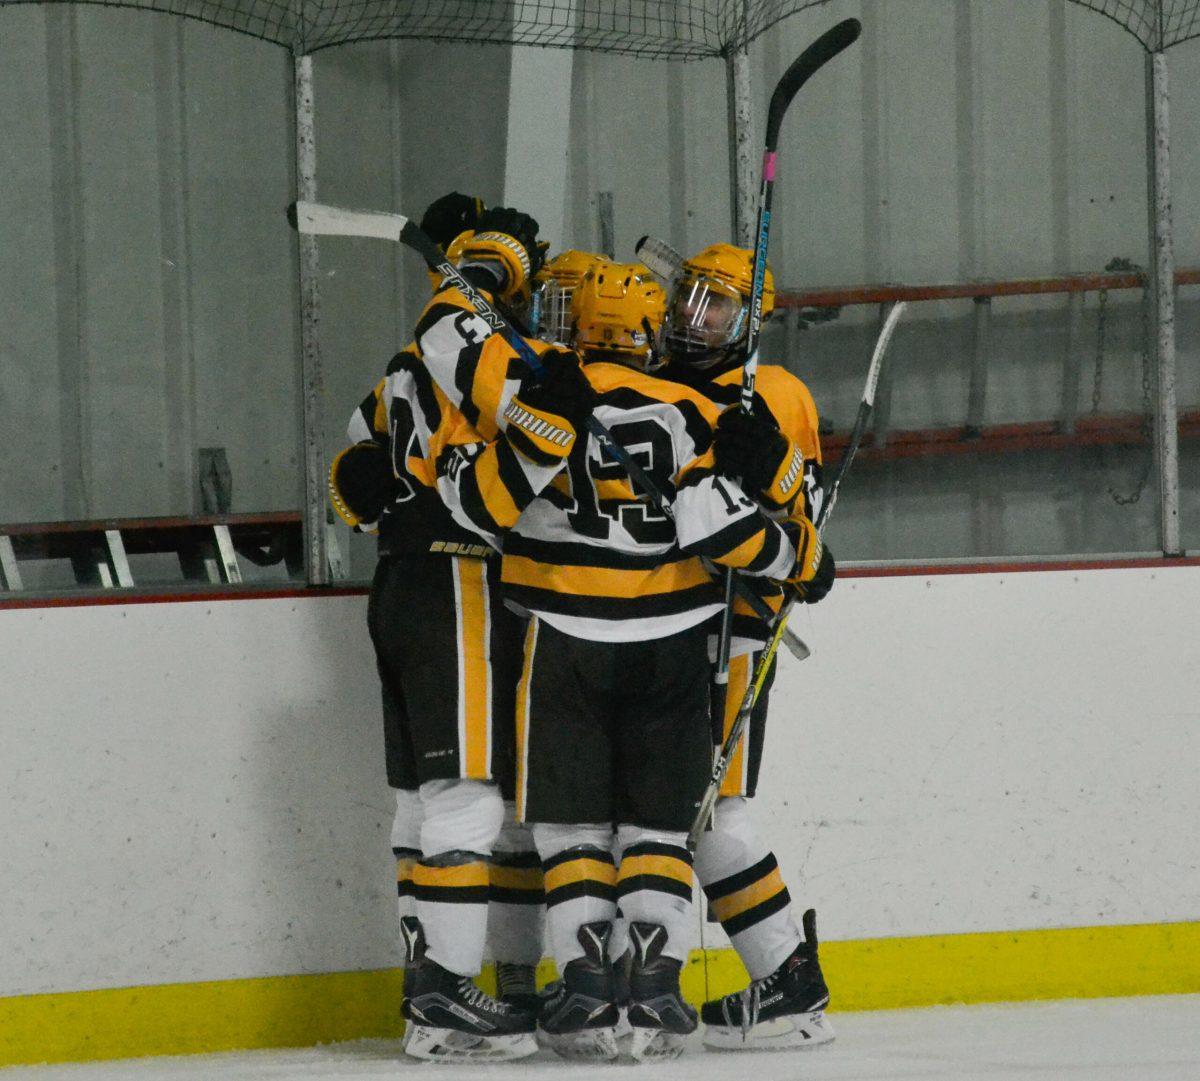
[[1162, 298], [316, 547], [741, 152]]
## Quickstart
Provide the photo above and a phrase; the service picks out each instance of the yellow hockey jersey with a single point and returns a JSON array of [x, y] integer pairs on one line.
[[591, 555]]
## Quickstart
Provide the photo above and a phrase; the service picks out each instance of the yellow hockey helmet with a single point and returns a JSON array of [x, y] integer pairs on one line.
[[553, 286], [454, 252], [618, 308], [708, 314]]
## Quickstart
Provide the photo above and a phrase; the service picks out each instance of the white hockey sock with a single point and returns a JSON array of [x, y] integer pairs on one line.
[[580, 880], [462, 819], [741, 880], [516, 899], [654, 884]]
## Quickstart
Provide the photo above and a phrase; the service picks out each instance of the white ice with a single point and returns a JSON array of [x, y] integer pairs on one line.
[[1134, 1039]]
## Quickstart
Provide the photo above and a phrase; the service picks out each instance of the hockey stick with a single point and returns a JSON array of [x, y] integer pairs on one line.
[[803, 68], [725, 755], [319, 219], [658, 257]]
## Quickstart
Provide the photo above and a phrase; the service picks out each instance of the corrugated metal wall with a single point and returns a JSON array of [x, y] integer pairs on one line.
[[147, 280]]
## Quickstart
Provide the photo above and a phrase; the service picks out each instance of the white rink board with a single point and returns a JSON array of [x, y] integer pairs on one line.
[[991, 751], [195, 790], [192, 791]]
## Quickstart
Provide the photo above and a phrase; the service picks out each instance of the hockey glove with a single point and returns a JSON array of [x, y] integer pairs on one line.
[[813, 572], [505, 241], [545, 417], [447, 217], [751, 447], [361, 483]]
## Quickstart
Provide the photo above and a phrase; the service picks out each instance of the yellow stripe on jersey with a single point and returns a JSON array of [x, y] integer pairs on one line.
[[494, 492], [739, 680], [745, 553], [475, 691], [604, 581]]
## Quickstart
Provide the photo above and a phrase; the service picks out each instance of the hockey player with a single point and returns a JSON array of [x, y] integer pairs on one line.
[[776, 453], [448, 655], [612, 709]]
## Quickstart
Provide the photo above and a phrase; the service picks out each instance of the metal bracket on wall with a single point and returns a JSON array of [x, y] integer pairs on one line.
[[10, 575], [215, 480]]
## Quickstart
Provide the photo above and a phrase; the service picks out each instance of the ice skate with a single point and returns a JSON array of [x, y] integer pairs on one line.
[[579, 1016], [451, 1020], [661, 1021], [784, 1010], [517, 985]]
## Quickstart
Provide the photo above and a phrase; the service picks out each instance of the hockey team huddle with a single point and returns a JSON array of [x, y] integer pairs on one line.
[[546, 638]]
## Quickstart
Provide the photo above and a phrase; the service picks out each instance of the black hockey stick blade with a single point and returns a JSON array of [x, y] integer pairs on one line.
[[803, 68]]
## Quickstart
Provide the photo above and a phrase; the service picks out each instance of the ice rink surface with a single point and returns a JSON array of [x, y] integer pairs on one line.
[[1135, 1039]]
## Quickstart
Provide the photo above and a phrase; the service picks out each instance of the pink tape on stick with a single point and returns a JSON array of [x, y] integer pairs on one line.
[[769, 166]]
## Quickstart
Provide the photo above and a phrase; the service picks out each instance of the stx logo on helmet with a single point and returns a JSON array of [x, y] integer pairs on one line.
[[535, 425]]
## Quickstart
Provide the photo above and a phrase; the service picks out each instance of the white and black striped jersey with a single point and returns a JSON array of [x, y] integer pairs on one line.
[[590, 555], [440, 507]]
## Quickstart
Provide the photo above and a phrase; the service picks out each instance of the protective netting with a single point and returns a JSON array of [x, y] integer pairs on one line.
[[673, 29], [1157, 24]]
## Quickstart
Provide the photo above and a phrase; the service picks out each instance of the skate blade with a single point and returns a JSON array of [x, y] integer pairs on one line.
[[779, 1034], [655, 1044], [586, 1045], [449, 1045]]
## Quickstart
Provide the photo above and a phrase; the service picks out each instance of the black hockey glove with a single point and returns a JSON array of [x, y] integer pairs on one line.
[[518, 225], [818, 587], [546, 415], [563, 389], [361, 482], [749, 446], [452, 214]]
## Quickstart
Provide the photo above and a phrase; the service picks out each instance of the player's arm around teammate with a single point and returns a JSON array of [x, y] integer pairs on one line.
[[776, 452], [612, 712]]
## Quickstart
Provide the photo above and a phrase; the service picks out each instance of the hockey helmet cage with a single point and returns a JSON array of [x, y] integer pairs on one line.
[[553, 286], [618, 309], [709, 310]]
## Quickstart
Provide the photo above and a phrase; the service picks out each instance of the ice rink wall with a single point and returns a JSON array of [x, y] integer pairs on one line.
[[985, 783]]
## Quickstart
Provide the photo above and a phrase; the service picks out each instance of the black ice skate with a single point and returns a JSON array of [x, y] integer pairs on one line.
[[659, 1017], [451, 1020], [414, 953], [579, 1016], [784, 1010], [517, 985]]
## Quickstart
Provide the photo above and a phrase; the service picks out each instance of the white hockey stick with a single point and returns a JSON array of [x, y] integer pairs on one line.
[[658, 257], [725, 755], [320, 219]]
